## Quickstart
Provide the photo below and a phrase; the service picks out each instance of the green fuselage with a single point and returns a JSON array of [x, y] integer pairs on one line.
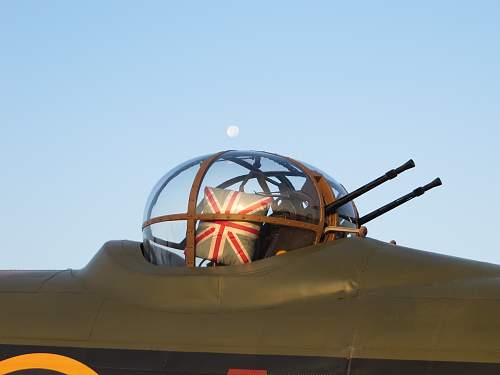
[[353, 306]]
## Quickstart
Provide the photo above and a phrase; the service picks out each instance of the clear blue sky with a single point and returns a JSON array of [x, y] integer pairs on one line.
[[99, 99]]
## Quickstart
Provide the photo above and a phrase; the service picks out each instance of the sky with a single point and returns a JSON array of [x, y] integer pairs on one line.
[[98, 100]]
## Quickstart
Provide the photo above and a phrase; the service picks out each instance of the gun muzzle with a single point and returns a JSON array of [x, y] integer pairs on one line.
[[398, 202], [389, 175]]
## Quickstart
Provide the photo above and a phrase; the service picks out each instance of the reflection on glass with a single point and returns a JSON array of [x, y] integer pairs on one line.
[[266, 175], [171, 194], [347, 213], [164, 243]]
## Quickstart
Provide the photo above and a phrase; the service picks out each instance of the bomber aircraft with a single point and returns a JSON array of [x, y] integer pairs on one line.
[[255, 264]]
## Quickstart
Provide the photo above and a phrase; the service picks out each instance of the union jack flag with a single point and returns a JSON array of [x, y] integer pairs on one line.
[[229, 242]]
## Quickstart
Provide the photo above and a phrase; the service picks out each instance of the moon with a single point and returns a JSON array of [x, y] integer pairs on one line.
[[232, 131]]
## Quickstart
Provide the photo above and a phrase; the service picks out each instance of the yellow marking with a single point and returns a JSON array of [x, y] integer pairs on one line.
[[45, 361]]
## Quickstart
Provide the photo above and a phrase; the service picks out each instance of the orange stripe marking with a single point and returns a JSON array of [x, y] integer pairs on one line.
[[45, 361]]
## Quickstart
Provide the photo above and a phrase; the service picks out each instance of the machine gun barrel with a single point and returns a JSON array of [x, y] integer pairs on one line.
[[389, 175], [398, 202]]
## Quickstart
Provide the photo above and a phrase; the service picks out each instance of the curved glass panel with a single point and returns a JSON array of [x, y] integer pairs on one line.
[[347, 213], [164, 243], [290, 192], [171, 194]]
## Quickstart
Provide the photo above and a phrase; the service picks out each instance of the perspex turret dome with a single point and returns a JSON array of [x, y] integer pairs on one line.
[[235, 207]]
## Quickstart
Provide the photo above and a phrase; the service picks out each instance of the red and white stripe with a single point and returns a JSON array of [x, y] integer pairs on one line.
[[220, 232]]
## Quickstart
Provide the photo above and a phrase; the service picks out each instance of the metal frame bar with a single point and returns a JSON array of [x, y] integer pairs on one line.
[[193, 195], [234, 217]]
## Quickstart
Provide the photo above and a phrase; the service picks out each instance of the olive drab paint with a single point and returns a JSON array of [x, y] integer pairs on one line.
[[352, 306]]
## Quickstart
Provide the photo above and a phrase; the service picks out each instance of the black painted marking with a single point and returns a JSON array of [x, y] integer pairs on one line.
[[148, 362]]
